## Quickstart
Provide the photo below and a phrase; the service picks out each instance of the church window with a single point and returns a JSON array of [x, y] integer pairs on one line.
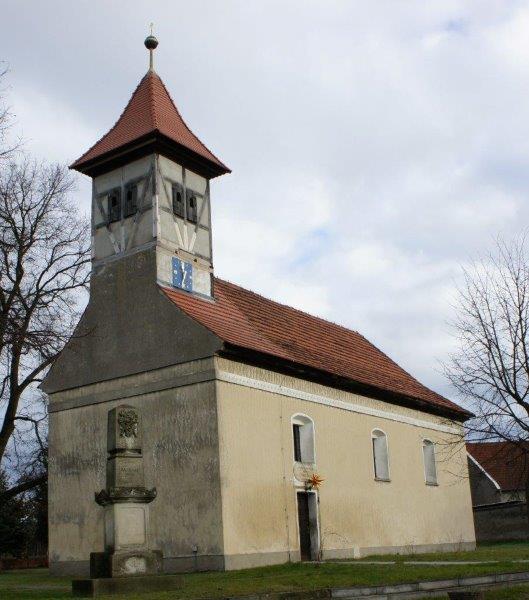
[[380, 455], [114, 205], [178, 201], [303, 439], [131, 200], [430, 468], [297, 441], [192, 212]]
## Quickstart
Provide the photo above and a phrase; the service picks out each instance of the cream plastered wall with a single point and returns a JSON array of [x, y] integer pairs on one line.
[[357, 515]]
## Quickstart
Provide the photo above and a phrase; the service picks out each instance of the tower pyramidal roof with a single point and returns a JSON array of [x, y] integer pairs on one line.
[[150, 122]]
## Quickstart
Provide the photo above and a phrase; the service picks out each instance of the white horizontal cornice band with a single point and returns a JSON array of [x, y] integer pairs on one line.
[[274, 388]]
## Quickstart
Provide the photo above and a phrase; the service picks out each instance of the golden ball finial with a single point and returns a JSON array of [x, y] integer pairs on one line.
[[151, 43]]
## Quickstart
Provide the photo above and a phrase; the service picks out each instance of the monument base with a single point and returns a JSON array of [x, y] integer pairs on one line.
[[132, 563], [94, 588]]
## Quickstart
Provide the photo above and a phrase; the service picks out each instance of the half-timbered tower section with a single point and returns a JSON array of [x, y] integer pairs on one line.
[[151, 188]]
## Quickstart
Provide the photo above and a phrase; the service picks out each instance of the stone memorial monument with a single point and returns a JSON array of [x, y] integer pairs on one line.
[[125, 500], [126, 503]]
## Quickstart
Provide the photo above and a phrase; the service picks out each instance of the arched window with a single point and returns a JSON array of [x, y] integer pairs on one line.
[[380, 455], [192, 212], [178, 202], [303, 439], [114, 205], [131, 200], [430, 469]]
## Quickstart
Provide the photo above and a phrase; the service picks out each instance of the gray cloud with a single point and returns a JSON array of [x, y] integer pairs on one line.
[[375, 146]]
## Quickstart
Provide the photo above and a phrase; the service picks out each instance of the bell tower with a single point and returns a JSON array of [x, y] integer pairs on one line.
[[151, 189]]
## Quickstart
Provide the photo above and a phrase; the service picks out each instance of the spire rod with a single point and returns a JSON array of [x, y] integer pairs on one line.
[[150, 43]]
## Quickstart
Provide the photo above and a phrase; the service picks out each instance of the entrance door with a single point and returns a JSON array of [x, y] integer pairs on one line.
[[304, 526]]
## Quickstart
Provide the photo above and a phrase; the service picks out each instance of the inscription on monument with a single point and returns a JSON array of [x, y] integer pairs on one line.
[[130, 526], [129, 471], [125, 471]]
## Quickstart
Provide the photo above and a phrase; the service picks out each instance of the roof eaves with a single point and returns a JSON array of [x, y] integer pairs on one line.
[[194, 161], [273, 358], [340, 382], [85, 166]]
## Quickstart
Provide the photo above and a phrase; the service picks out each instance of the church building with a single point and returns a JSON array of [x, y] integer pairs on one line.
[[269, 435]]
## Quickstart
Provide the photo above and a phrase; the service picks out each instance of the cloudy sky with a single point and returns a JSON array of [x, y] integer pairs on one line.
[[376, 146]]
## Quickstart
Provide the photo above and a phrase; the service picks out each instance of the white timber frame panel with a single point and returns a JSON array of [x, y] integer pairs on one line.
[[122, 233], [186, 240]]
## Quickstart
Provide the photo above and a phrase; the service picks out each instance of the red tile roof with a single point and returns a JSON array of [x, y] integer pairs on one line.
[[150, 109], [505, 462], [249, 321]]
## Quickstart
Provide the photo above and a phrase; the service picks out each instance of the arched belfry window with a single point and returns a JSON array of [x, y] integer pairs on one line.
[[430, 468], [379, 441], [192, 209], [178, 201], [303, 439], [131, 200], [114, 205]]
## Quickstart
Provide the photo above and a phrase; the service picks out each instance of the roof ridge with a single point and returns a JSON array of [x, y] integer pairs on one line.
[[153, 104]]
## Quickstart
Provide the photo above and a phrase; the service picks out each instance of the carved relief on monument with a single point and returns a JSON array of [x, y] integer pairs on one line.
[[128, 423]]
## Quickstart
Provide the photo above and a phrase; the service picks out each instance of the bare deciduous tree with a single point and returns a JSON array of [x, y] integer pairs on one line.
[[7, 147], [44, 255], [490, 368]]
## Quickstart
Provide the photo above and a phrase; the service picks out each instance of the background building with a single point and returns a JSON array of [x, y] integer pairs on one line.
[[498, 472]]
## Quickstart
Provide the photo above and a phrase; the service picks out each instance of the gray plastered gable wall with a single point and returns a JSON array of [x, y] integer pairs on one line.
[[181, 460], [129, 326], [134, 346]]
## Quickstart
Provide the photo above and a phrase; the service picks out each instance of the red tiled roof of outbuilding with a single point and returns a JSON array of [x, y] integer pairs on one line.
[[150, 109], [247, 320], [506, 462]]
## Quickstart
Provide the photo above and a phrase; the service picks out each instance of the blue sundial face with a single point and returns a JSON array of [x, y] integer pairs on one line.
[[182, 274]]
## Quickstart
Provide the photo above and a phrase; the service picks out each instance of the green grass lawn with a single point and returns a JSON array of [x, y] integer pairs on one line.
[[484, 552], [38, 584], [515, 593]]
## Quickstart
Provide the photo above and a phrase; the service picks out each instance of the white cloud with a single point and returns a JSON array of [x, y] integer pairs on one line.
[[375, 146], [49, 126], [510, 39]]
